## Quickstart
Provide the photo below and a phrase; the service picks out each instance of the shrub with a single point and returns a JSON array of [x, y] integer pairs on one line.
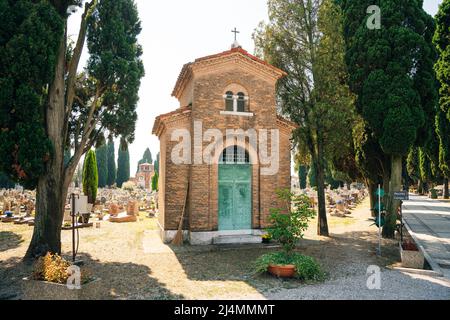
[[306, 268], [51, 268], [289, 224], [90, 177], [433, 194]]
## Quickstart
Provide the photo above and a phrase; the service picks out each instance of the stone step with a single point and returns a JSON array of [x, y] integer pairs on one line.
[[237, 239]]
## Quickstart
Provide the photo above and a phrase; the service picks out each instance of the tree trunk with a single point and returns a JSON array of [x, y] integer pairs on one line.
[[426, 188], [322, 224], [52, 187], [393, 205], [372, 190], [446, 191], [420, 187]]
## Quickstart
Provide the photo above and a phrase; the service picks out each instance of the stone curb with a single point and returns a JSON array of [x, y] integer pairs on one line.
[[430, 260]]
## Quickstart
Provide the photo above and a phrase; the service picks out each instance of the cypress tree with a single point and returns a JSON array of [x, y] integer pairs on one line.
[[441, 40], [90, 177], [123, 164], [48, 106], [102, 165], [391, 73], [303, 176], [146, 158], [155, 180], [111, 163], [157, 164], [6, 182]]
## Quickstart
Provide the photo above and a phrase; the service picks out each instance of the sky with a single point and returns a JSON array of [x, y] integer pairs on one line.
[[175, 32]]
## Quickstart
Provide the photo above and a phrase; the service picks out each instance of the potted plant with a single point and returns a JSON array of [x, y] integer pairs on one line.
[[266, 238], [50, 278], [287, 227]]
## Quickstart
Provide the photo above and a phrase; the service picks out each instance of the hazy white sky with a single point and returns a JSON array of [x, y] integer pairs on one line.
[[175, 32]]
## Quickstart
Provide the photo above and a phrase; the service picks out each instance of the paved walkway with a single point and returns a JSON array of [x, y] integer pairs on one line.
[[429, 224]]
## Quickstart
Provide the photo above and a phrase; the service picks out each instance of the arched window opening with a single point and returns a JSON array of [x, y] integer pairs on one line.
[[235, 155], [241, 102], [236, 102], [229, 101]]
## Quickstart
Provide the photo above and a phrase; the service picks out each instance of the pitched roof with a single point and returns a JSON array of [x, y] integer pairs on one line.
[[163, 117], [288, 123], [187, 68]]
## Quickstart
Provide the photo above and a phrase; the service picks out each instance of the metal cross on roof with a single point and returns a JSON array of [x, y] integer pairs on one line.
[[235, 33]]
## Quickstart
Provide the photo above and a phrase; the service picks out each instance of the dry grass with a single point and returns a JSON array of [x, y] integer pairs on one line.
[[134, 264]]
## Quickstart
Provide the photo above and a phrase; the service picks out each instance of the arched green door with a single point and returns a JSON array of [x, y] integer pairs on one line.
[[235, 194]]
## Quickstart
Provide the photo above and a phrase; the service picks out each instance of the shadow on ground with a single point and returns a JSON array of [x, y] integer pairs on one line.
[[342, 255], [116, 279], [420, 208], [9, 240]]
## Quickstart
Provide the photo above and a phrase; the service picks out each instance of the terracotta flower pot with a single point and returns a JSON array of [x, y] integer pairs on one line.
[[287, 271]]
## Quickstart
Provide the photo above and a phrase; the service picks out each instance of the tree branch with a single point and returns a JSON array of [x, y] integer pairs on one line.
[[75, 61]]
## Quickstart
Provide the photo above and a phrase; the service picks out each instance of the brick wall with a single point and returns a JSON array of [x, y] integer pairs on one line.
[[207, 96]]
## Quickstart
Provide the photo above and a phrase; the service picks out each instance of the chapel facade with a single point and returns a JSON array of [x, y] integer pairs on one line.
[[228, 198], [144, 176]]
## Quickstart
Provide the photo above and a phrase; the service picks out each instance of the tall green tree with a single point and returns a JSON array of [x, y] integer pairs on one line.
[[90, 177], [47, 107], [101, 154], [304, 38], [441, 40], [6, 182], [303, 177], [413, 166], [155, 180], [123, 164], [372, 163], [391, 74], [157, 163], [146, 158], [30, 35], [111, 162]]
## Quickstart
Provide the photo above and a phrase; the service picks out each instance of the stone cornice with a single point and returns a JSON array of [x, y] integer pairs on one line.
[[237, 56], [168, 119], [285, 125]]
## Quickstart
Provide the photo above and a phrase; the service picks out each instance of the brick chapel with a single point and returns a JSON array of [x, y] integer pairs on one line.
[[227, 200]]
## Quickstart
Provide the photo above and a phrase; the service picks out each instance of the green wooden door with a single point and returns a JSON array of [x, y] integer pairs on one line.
[[235, 197]]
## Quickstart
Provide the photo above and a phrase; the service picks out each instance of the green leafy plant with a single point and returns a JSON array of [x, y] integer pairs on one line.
[[289, 224], [288, 227], [155, 180], [267, 236], [90, 177], [306, 268], [433, 194]]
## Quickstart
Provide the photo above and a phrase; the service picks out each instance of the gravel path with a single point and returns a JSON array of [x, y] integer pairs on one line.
[[395, 285], [134, 264]]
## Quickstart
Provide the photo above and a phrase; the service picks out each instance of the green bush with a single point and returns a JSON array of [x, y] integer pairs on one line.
[[287, 227], [90, 177], [155, 180], [288, 224], [306, 268], [434, 194]]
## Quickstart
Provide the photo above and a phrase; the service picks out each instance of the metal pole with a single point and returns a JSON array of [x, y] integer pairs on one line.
[[379, 219], [401, 222], [73, 227]]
